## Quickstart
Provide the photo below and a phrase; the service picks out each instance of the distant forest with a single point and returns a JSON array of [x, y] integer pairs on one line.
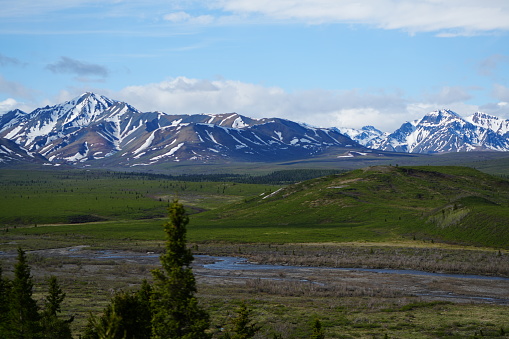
[[283, 177]]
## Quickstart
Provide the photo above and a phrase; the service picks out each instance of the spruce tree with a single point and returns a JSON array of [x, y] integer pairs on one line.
[[23, 311], [317, 330], [176, 313], [127, 316], [54, 298], [54, 327], [243, 327]]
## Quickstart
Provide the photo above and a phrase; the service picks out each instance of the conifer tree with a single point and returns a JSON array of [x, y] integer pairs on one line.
[[53, 327], [243, 327], [23, 311], [54, 298], [128, 316], [317, 330], [176, 313], [144, 310], [105, 327]]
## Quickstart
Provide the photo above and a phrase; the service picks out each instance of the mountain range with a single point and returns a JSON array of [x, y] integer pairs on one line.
[[93, 130], [439, 132], [96, 130]]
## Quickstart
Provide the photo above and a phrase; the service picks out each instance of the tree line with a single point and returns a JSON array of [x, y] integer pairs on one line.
[[167, 308], [283, 177]]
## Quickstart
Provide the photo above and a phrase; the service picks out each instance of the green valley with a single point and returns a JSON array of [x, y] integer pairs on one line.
[[100, 232]]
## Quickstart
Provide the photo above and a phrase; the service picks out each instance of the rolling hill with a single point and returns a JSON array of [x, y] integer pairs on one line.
[[451, 204]]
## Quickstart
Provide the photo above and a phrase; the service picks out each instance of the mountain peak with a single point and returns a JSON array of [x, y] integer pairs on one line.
[[440, 117], [480, 116], [90, 97], [494, 123], [443, 112]]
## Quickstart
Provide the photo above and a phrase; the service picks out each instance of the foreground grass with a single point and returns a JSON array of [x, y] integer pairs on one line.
[[282, 303]]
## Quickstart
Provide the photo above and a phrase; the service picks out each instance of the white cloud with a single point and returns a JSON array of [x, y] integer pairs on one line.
[[8, 105], [449, 95], [448, 17], [15, 89], [324, 108], [444, 17], [501, 92], [183, 17], [319, 107]]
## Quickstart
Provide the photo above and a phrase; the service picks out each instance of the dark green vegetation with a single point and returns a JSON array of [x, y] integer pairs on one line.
[[454, 204], [489, 162], [21, 316], [175, 309]]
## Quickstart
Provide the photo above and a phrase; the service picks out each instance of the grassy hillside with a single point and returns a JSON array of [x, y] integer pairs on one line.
[[454, 204], [380, 203]]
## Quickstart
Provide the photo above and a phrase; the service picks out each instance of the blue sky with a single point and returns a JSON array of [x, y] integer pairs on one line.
[[324, 62]]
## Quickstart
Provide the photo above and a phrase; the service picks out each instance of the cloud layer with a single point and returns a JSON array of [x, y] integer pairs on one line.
[[450, 17], [76, 67], [446, 17], [8, 61], [324, 108]]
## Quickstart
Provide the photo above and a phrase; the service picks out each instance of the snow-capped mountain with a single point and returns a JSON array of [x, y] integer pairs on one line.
[[446, 131], [496, 124], [368, 136], [93, 128], [96, 130]]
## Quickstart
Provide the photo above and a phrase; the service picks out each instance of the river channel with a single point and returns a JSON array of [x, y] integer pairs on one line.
[[236, 263], [237, 270]]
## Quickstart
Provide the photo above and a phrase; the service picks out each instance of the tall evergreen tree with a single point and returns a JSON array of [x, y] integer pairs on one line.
[[54, 327], [144, 310], [23, 311], [176, 313], [243, 327], [55, 297]]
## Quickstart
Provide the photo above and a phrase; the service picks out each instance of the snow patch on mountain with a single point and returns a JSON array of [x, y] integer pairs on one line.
[[82, 154], [170, 153], [146, 144]]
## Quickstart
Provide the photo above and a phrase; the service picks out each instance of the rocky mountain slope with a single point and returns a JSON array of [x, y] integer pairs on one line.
[[96, 129], [438, 132], [93, 130]]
